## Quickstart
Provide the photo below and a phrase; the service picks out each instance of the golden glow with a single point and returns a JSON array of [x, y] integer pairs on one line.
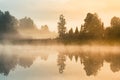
[[47, 11]]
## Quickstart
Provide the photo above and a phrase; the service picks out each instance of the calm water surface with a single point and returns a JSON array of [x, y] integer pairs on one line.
[[59, 62]]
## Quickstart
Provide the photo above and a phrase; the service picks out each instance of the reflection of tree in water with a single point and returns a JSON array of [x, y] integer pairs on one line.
[[61, 62], [92, 63], [9, 62], [26, 61], [114, 60]]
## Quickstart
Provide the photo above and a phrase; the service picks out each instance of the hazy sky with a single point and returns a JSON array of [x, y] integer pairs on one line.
[[48, 11]]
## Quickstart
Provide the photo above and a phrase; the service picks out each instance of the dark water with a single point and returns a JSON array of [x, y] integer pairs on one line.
[[59, 62]]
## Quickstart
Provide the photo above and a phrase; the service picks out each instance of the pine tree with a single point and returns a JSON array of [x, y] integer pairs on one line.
[[61, 27]]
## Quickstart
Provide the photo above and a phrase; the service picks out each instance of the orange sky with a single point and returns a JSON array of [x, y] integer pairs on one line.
[[48, 11]]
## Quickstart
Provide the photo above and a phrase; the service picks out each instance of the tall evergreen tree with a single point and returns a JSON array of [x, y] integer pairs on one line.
[[76, 30], [61, 26], [70, 34], [76, 34], [71, 31]]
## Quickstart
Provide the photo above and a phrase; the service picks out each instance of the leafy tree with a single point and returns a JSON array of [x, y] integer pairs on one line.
[[93, 27], [8, 23], [113, 32], [115, 21], [26, 23], [61, 27]]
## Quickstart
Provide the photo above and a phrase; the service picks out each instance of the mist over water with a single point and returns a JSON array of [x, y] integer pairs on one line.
[[75, 50], [59, 62]]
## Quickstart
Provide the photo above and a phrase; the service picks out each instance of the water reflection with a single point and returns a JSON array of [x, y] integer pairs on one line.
[[92, 62], [114, 61], [61, 62], [9, 61]]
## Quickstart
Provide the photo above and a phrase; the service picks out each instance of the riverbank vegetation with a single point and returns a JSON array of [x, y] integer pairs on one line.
[[91, 31]]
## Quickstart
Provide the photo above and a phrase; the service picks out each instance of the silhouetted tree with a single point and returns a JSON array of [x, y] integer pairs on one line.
[[76, 34], [108, 33], [8, 23], [115, 21], [70, 34], [61, 27], [71, 31], [113, 32], [93, 27], [76, 30]]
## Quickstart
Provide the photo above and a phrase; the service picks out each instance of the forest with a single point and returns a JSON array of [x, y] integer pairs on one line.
[[92, 29]]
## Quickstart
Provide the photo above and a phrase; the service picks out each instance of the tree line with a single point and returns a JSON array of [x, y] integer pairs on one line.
[[92, 29], [11, 27]]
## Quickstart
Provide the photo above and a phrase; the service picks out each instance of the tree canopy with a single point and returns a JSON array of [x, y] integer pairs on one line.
[[26, 23], [61, 26], [93, 27], [8, 23], [113, 32]]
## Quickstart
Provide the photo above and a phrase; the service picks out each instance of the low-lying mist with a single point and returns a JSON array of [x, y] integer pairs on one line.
[[60, 48], [92, 57]]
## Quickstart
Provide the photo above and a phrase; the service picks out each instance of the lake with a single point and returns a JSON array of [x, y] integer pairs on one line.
[[59, 62]]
